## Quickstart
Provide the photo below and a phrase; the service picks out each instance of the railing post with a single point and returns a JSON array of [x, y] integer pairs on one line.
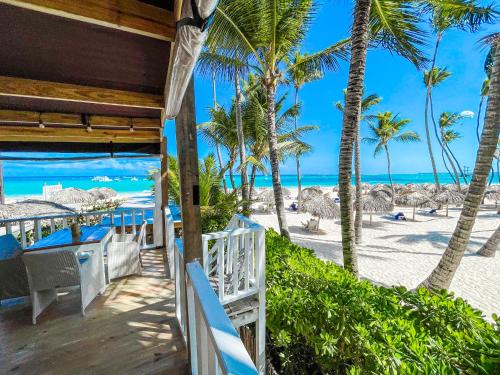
[[134, 229], [191, 312], [37, 230], [52, 225], [22, 227], [260, 324], [122, 226], [8, 228]]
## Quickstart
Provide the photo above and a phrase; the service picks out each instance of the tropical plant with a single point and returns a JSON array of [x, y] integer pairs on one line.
[[393, 25], [388, 128], [322, 320], [442, 275], [446, 15], [298, 75], [366, 103], [217, 207], [262, 33]]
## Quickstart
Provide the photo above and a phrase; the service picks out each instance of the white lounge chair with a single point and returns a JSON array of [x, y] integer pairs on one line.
[[124, 254], [13, 278], [312, 225], [49, 270]]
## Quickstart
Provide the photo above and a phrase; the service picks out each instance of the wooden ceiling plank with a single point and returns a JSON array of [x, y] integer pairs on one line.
[[28, 88], [23, 118], [47, 134], [127, 15]]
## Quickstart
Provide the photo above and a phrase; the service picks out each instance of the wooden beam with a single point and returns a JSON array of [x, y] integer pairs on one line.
[[28, 88], [26, 118], [78, 135], [127, 15], [187, 154]]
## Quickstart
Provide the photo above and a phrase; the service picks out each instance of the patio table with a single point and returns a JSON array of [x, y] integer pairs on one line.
[[92, 243]]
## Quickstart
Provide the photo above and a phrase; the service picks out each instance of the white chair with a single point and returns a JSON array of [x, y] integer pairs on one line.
[[124, 254], [49, 270], [13, 279]]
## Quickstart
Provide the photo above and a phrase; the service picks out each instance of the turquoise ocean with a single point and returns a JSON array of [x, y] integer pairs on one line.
[[32, 185]]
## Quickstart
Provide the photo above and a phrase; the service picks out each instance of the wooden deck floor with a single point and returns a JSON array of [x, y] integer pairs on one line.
[[131, 329]]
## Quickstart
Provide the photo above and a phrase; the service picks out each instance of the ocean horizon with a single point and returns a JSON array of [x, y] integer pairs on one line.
[[18, 186]]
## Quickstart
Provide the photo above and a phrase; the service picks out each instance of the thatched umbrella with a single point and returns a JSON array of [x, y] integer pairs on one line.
[[448, 197], [267, 195], [311, 191], [412, 199], [321, 206], [381, 191], [102, 193], [71, 196], [32, 207], [285, 191], [374, 204], [493, 195]]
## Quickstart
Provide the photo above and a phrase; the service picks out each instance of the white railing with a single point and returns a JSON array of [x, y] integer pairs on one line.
[[236, 260], [215, 346], [123, 218]]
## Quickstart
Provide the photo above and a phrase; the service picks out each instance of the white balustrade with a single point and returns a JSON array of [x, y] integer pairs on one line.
[[23, 226]]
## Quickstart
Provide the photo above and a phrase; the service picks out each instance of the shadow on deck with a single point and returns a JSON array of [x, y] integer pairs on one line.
[[131, 329]]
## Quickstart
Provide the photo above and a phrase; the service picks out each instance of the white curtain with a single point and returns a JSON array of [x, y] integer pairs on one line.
[[188, 44]]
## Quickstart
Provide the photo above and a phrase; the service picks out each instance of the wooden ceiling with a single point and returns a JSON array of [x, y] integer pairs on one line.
[[83, 72]]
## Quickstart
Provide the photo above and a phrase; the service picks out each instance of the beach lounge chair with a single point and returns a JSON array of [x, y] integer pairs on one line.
[[400, 216], [13, 278], [124, 254], [312, 225], [49, 270]]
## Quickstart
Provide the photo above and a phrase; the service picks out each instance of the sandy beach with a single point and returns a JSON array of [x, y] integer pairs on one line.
[[405, 252]]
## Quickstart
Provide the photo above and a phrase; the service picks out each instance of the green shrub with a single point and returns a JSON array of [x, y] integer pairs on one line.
[[322, 320]]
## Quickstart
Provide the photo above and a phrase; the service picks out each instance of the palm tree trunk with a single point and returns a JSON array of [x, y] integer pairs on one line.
[[446, 166], [389, 171], [426, 118], [350, 122], [489, 249], [241, 142], [358, 220], [232, 159], [273, 156], [252, 182], [217, 145], [443, 146], [297, 159], [478, 122], [442, 275]]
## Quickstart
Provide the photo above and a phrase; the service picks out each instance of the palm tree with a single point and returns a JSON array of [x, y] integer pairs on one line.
[[442, 275], [299, 75], [366, 103], [221, 129], [393, 25], [389, 128], [217, 145], [434, 78], [263, 33], [254, 119], [445, 15], [489, 249], [446, 122], [447, 137]]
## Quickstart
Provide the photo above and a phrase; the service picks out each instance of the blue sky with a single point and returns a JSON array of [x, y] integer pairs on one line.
[[391, 77]]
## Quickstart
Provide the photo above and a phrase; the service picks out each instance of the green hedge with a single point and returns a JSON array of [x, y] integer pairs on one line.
[[321, 320]]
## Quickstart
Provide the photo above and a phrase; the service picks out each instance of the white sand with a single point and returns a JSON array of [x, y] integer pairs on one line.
[[404, 253]]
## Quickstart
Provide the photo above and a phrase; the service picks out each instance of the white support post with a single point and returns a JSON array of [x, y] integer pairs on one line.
[[112, 218], [8, 228], [122, 227], [134, 229], [260, 324], [65, 222], [220, 268], [87, 219], [235, 263], [52, 225], [191, 312]]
